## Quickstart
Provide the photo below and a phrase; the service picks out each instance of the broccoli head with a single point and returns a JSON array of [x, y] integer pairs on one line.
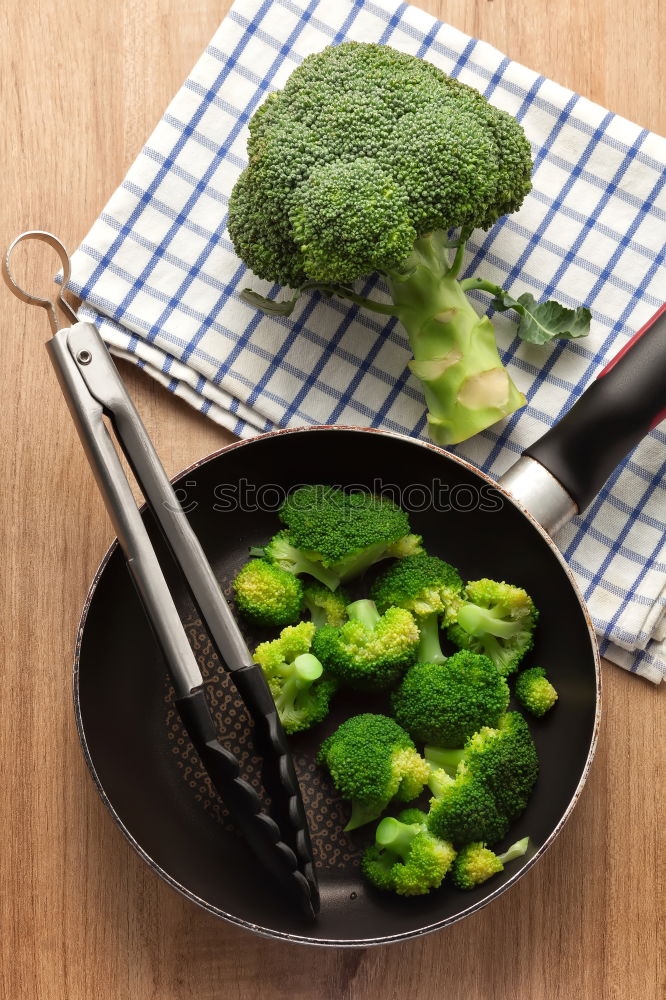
[[267, 595], [295, 678], [464, 809], [326, 607], [364, 150], [406, 858], [445, 703], [476, 863], [534, 691], [362, 164], [497, 619], [371, 761], [370, 652], [428, 587], [501, 760], [335, 536]]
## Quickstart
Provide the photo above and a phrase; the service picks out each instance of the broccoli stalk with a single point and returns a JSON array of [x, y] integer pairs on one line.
[[479, 621], [446, 759], [299, 677], [516, 850], [363, 611], [282, 553], [430, 649], [466, 387]]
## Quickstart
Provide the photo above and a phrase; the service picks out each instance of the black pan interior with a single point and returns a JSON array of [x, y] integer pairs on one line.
[[145, 766]]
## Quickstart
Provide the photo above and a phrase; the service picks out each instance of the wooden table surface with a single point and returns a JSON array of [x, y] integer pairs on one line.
[[82, 84]]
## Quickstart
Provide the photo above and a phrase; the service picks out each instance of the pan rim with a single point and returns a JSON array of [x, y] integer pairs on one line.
[[299, 938]]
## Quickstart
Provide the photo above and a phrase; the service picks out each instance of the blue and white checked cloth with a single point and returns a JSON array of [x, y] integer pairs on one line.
[[159, 276]]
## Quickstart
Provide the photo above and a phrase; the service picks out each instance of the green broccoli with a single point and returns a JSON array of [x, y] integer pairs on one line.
[[362, 164], [371, 761], [428, 587], [463, 809], [267, 595], [406, 858], [326, 607], [497, 619], [499, 765], [475, 863], [295, 677], [445, 703], [534, 691], [335, 536], [369, 652]]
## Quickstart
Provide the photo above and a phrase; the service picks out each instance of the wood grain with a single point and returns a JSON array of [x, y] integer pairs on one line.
[[81, 86]]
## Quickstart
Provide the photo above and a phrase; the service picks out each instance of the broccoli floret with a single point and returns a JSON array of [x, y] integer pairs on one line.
[[445, 703], [406, 858], [428, 587], [280, 551], [268, 595], [534, 691], [371, 761], [295, 678], [476, 863], [370, 652], [326, 607], [335, 536], [363, 163], [464, 809], [500, 763], [497, 619], [505, 759]]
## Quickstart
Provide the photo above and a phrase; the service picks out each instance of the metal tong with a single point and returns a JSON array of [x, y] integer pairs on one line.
[[94, 389]]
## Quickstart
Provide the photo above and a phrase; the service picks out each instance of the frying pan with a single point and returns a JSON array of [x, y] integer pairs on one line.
[[145, 768]]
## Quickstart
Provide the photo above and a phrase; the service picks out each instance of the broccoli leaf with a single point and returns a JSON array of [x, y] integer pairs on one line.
[[544, 321]]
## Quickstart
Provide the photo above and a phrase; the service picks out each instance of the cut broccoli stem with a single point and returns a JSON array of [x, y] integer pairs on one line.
[[439, 780], [317, 614], [455, 353], [430, 650], [483, 621], [395, 836], [364, 612], [294, 560], [362, 813], [257, 550], [442, 758], [357, 564], [516, 850], [303, 672]]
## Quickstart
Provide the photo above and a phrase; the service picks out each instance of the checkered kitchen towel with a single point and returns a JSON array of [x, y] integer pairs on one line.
[[159, 276]]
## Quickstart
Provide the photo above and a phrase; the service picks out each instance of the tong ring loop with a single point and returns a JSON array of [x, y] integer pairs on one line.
[[36, 300]]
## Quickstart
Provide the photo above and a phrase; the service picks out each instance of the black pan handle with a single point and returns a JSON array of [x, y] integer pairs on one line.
[[260, 830], [626, 400]]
